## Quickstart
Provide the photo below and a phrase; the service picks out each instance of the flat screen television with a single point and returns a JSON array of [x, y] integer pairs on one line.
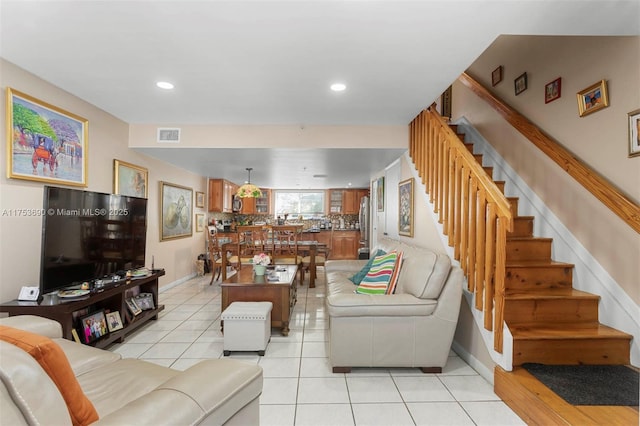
[[89, 235]]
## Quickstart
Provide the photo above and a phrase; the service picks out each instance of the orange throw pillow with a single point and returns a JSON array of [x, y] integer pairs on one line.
[[53, 360]]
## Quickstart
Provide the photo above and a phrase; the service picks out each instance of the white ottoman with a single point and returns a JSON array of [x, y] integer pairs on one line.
[[247, 326]]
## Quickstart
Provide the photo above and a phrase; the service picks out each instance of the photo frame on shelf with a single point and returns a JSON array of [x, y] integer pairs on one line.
[[114, 322], [593, 98], [496, 76], [199, 200], [45, 143], [130, 180], [200, 222], [405, 208], [634, 133], [552, 90], [176, 207], [133, 306], [145, 301], [93, 327], [380, 194], [520, 83]]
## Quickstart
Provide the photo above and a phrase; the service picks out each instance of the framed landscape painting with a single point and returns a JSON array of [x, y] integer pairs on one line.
[[45, 143], [176, 207], [405, 213], [129, 179]]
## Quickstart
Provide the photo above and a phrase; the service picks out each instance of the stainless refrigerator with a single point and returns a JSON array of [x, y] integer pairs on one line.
[[365, 224]]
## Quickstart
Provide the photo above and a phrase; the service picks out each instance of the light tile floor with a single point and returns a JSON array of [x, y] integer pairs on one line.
[[299, 387]]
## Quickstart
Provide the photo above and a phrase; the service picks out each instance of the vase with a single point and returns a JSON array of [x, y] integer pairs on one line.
[[260, 269]]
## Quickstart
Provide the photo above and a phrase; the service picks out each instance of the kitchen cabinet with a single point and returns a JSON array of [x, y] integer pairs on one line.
[[346, 201], [344, 244], [221, 193], [258, 205]]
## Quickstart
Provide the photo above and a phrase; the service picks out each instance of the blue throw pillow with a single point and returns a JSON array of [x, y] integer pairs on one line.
[[358, 276]]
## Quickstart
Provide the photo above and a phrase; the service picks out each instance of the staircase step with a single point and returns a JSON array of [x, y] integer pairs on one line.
[[522, 225], [529, 248], [555, 306], [488, 170], [500, 184], [454, 127], [570, 344], [469, 147], [460, 136], [478, 158], [528, 276], [513, 201]]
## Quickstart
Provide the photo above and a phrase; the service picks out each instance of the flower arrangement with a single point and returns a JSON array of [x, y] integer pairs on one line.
[[261, 259]]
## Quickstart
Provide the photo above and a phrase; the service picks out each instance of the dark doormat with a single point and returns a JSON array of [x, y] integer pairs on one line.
[[589, 384]]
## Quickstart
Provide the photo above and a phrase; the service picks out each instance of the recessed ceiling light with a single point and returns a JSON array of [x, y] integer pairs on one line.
[[164, 85], [338, 87]]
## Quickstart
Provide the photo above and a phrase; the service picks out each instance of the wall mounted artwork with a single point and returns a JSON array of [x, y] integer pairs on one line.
[[176, 206]]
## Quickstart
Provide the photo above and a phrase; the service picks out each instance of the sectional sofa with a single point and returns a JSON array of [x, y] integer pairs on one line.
[[122, 391], [413, 327]]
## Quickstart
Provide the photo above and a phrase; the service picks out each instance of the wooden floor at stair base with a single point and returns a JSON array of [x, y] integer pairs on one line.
[[536, 404]]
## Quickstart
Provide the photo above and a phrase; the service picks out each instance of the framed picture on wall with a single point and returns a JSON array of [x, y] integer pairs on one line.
[[552, 90], [496, 76], [380, 194], [405, 212], [593, 98], [45, 143], [176, 207], [200, 222], [634, 133], [199, 199], [129, 179], [520, 83]]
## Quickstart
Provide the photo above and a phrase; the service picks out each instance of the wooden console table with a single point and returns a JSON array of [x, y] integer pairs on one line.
[[111, 298]]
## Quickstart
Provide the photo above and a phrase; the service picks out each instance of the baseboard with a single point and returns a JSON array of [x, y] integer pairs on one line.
[[176, 282], [617, 309]]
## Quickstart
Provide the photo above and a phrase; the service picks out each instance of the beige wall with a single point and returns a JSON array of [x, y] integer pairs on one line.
[[600, 139], [20, 242]]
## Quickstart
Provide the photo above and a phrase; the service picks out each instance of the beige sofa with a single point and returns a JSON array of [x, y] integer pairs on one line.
[[412, 328], [124, 391]]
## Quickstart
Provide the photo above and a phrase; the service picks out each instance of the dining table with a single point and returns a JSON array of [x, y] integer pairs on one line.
[[305, 248]]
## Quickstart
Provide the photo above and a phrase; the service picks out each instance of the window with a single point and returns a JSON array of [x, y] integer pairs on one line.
[[299, 203]]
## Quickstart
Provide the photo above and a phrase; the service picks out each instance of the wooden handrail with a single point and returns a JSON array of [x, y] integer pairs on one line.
[[474, 213], [592, 181]]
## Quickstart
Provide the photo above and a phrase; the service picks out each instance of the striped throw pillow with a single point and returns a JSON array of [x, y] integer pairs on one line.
[[377, 279], [391, 288]]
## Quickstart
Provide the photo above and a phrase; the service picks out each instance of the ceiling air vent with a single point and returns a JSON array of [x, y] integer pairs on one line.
[[168, 135]]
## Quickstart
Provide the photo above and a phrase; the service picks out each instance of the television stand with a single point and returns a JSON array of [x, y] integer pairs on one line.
[[111, 298]]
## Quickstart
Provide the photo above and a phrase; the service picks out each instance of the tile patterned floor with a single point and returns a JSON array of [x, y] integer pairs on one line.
[[299, 387]]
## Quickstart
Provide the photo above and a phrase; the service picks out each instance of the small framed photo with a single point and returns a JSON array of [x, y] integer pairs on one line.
[[496, 76], [200, 199], [200, 222], [634, 133], [552, 90], [520, 83], [133, 306], [145, 301], [593, 98], [114, 322], [93, 327]]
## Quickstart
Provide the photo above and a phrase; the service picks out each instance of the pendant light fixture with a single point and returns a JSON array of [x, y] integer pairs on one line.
[[248, 190]]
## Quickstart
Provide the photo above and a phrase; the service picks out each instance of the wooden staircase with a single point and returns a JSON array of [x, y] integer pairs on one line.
[[551, 322]]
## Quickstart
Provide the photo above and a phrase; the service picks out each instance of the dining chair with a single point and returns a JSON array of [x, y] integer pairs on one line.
[[310, 263], [285, 244], [251, 241], [215, 253]]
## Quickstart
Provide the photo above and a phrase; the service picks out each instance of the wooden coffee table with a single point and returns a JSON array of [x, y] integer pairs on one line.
[[245, 286]]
